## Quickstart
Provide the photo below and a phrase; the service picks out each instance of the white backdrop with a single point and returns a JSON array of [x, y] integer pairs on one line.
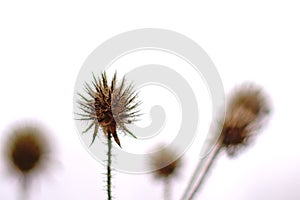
[[42, 48]]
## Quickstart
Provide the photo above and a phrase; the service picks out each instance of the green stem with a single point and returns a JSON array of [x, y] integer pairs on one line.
[[109, 166]]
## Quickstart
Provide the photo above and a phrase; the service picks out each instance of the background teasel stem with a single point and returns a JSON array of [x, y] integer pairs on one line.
[[201, 172], [167, 189], [246, 110]]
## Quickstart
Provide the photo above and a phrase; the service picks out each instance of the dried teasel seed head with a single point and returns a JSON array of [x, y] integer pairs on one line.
[[108, 106], [26, 150], [250, 97], [247, 108], [165, 163]]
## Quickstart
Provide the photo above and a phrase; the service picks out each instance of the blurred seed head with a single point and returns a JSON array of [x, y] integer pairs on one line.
[[26, 150], [247, 108], [251, 97], [165, 163], [110, 107]]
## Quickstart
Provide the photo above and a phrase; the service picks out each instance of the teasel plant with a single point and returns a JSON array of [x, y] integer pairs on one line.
[[108, 108], [247, 110], [167, 167], [27, 153]]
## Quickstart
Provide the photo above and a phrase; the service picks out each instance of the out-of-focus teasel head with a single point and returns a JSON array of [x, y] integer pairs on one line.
[[110, 107], [165, 163], [247, 109], [27, 151]]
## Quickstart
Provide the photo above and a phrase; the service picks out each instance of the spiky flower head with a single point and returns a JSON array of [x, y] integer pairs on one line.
[[109, 107], [247, 107], [165, 163], [26, 150]]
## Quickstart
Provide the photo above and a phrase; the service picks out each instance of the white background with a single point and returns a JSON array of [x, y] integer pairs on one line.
[[43, 45]]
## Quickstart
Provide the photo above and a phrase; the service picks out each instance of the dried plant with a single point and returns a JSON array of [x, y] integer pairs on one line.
[[111, 108], [166, 165], [247, 110], [27, 152]]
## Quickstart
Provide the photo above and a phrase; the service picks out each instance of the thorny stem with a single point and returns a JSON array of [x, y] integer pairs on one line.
[[200, 173], [109, 166]]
